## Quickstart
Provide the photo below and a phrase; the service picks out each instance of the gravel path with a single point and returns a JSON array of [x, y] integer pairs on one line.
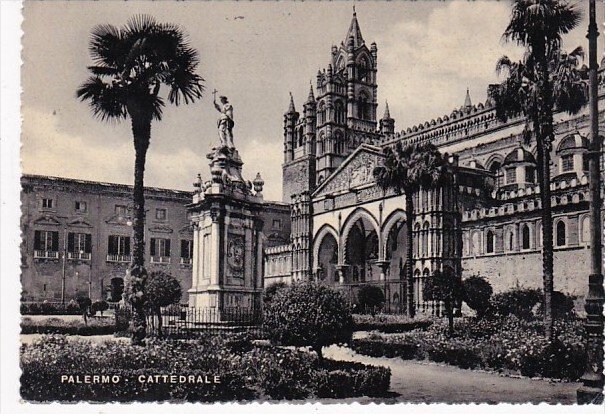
[[415, 381]]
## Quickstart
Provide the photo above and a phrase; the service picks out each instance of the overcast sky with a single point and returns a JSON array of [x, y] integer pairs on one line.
[[255, 53]]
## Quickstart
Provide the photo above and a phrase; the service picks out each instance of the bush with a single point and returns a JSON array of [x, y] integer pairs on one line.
[[270, 291], [519, 302], [103, 326], [370, 298], [260, 372], [378, 347], [45, 308], [389, 323], [508, 343], [477, 293], [99, 306], [308, 314], [123, 315]]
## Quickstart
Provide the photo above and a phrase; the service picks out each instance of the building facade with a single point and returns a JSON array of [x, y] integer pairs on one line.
[[77, 237], [348, 232]]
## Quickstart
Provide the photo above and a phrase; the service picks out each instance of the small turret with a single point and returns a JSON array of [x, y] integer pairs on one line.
[[290, 119], [467, 100], [387, 124]]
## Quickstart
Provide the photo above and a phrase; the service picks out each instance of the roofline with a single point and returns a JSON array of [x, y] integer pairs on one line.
[[102, 183]]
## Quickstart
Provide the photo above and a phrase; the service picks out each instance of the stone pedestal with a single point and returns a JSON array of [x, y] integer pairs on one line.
[[227, 250]]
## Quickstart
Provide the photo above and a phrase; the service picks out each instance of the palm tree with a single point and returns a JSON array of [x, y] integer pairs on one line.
[[545, 79], [406, 170], [131, 64]]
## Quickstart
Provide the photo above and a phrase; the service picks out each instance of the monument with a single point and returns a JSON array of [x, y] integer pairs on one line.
[[227, 243]]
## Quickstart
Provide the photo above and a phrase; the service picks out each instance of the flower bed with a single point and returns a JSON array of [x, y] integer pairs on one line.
[[506, 344], [246, 373], [95, 326], [389, 323]]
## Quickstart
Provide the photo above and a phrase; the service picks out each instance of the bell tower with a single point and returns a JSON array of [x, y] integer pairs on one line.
[[346, 101]]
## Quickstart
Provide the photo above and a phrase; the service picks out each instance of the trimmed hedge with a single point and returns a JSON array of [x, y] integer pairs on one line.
[[44, 308], [510, 344], [246, 373], [389, 323], [95, 326]]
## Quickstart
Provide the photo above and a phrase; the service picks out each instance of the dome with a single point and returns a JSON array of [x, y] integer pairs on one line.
[[573, 141], [519, 155]]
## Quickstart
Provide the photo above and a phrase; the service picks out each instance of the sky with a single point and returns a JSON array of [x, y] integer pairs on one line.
[[429, 53]]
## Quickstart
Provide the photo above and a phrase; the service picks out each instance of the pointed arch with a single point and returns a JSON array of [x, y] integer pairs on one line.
[[324, 230], [359, 213]]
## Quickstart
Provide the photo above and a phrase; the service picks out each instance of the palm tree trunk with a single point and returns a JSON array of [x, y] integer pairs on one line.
[[547, 228], [141, 130], [409, 225]]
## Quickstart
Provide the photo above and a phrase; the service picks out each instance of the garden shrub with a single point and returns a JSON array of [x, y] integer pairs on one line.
[[270, 291], [509, 343], [310, 315], [389, 323], [377, 347], [99, 306], [95, 326], [477, 293], [123, 314], [161, 289], [261, 372], [45, 308], [370, 298], [518, 301]]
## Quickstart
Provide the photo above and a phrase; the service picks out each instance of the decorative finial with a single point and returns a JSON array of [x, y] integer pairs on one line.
[[387, 113], [291, 108], [354, 12], [467, 99]]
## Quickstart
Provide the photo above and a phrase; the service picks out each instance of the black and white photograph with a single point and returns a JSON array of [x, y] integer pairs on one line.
[[389, 202]]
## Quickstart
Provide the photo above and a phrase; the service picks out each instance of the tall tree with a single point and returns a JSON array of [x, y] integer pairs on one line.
[[406, 170], [131, 64], [545, 79]]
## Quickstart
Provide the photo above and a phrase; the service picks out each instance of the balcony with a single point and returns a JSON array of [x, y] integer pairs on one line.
[[78, 256], [160, 259], [45, 254], [119, 258], [186, 260]]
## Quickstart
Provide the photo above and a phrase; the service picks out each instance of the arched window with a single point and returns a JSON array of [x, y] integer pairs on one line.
[[321, 113], [561, 233], [489, 245], [340, 142], [363, 69], [300, 137], [475, 243], [511, 240], [585, 223], [339, 112], [363, 109], [425, 239], [321, 147], [525, 237], [497, 170], [418, 238]]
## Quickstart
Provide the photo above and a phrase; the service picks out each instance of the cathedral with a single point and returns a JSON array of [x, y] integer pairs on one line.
[[347, 232]]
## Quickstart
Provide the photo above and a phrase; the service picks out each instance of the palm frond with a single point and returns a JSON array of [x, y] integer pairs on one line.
[[106, 101]]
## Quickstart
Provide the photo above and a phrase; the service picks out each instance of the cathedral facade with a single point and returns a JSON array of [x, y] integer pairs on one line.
[[347, 232]]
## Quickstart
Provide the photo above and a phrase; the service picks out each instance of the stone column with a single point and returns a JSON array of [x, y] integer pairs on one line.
[[341, 269], [215, 256]]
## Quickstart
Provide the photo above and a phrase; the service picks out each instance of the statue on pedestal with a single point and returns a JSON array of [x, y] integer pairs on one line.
[[225, 122]]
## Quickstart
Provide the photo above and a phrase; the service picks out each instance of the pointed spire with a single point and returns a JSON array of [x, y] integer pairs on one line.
[[311, 97], [354, 31], [387, 113], [291, 109], [467, 100]]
